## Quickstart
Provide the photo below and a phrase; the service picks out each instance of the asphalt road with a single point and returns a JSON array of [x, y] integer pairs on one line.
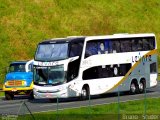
[[17, 105]]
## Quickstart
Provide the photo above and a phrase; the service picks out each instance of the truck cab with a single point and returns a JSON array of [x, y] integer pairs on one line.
[[19, 79]]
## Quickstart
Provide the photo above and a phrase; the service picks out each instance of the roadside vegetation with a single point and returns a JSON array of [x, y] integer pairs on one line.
[[24, 23]]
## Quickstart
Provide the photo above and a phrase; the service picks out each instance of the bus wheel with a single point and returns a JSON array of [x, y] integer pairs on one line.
[[142, 87], [85, 93], [9, 96], [133, 88]]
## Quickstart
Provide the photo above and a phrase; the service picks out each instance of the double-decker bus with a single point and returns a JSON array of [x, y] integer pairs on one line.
[[92, 65]]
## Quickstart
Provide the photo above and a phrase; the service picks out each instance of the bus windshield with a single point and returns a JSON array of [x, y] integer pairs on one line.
[[17, 68], [54, 51], [49, 75]]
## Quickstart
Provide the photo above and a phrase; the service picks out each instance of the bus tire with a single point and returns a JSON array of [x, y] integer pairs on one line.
[[142, 86], [9, 96], [133, 87], [85, 92]]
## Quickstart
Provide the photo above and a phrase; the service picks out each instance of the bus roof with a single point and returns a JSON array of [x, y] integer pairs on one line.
[[125, 35], [81, 38], [63, 40]]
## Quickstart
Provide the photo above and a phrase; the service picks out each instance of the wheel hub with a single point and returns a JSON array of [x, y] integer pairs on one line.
[[84, 93], [133, 88], [141, 86]]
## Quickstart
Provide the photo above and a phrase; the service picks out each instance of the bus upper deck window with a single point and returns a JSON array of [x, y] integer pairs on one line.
[[91, 49], [101, 48], [115, 46], [125, 46]]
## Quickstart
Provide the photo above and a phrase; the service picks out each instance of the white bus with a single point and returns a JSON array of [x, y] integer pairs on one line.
[[83, 66]]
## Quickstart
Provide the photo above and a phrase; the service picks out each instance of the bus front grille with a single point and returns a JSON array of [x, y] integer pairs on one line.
[[15, 83]]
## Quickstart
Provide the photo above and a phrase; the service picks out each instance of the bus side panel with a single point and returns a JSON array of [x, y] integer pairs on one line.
[[153, 70], [145, 70]]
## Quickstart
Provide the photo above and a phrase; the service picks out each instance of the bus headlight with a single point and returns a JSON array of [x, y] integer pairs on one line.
[[35, 89]]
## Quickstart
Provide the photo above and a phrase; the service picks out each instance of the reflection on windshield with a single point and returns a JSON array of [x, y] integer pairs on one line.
[[49, 75], [52, 51], [17, 68]]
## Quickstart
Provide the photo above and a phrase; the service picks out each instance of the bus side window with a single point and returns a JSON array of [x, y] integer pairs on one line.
[[91, 73], [146, 44], [110, 47], [125, 46], [140, 45], [73, 67], [115, 46], [74, 50], [101, 48], [153, 68], [133, 45], [137, 45], [106, 44], [151, 43], [91, 48]]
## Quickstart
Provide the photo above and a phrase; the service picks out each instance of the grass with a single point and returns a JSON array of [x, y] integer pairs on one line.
[[1, 94], [104, 111], [25, 23], [159, 74]]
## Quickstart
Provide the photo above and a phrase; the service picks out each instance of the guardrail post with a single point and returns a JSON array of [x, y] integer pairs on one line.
[[145, 102], [89, 105], [23, 106], [57, 116], [118, 104], [21, 109]]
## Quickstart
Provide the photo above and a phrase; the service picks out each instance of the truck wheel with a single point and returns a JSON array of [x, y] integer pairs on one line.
[[9, 96], [31, 96]]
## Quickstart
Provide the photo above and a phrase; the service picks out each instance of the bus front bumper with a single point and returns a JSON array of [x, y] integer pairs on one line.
[[58, 94]]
